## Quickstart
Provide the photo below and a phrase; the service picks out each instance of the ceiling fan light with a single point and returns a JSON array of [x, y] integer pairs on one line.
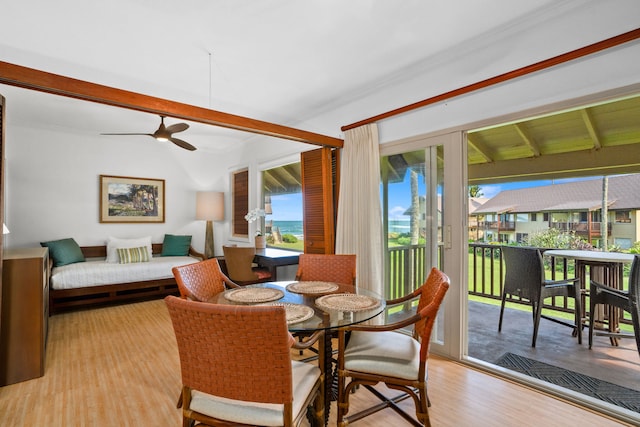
[[162, 138]]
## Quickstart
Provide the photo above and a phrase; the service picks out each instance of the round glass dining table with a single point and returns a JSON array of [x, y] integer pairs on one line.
[[310, 307]]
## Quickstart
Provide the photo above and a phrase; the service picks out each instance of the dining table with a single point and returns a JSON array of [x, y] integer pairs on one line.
[[312, 306], [605, 267]]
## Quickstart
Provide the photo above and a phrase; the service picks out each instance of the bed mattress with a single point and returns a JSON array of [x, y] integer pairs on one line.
[[96, 273]]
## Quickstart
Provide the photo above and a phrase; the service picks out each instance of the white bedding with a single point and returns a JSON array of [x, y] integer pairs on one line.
[[95, 273]]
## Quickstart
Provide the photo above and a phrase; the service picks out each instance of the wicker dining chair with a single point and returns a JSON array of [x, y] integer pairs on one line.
[[236, 366], [525, 278], [239, 261], [337, 268], [380, 353], [201, 280]]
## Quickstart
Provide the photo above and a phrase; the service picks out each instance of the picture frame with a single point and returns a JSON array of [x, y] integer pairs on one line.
[[126, 199]]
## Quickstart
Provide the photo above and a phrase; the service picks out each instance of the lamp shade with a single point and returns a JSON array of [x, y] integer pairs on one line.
[[210, 205]]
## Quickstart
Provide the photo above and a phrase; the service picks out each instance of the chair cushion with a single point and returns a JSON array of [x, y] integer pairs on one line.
[[391, 354], [262, 273], [305, 376]]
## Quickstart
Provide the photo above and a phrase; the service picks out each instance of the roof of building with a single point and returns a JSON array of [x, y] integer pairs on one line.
[[623, 192]]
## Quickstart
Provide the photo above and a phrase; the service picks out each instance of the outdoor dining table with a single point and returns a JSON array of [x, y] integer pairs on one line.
[[311, 307], [611, 265]]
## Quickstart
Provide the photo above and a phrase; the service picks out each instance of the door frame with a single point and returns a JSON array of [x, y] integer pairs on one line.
[[454, 228]]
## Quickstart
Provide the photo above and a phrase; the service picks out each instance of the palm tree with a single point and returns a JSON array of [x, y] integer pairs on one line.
[[475, 191]]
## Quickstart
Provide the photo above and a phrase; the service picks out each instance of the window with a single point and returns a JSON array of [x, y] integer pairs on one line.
[[522, 217], [622, 243], [282, 195], [545, 216], [623, 216], [534, 217], [521, 237]]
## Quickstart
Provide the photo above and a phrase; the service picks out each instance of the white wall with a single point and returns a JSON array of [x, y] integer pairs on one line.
[[52, 185]]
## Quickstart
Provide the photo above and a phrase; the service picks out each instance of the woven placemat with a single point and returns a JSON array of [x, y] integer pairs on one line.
[[295, 312], [311, 287], [347, 302], [253, 294]]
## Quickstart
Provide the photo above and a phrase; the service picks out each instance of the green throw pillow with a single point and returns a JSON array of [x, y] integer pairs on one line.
[[176, 245], [131, 255], [64, 251]]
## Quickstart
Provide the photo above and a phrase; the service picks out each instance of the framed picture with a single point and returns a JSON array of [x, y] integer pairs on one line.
[[128, 199]]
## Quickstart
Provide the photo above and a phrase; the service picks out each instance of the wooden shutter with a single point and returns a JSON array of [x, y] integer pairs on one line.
[[240, 197], [2, 131], [319, 185]]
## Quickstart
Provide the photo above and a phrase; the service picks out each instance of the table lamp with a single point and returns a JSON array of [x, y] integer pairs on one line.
[[209, 207]]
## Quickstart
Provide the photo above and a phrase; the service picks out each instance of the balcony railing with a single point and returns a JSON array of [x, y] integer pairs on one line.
[[581, 227], [497, 225], [486, 274]]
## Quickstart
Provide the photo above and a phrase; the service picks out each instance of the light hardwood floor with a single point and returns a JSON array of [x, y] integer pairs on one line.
[[119, 366]]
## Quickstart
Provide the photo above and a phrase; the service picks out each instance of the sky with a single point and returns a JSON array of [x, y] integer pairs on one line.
[[288, 207]]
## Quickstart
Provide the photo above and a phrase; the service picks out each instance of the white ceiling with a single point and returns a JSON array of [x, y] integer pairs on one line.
[[280, 61]]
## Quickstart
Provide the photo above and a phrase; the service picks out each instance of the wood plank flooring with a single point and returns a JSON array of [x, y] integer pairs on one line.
[[119, 366]]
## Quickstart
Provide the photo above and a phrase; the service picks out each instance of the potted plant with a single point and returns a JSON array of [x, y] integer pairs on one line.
[[254, 215]]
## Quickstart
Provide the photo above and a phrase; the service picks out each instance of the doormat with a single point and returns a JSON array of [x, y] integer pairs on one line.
[[620, 396]]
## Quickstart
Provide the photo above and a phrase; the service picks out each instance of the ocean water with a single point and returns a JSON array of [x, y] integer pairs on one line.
[[290, 227], [399, 226], [295, 227]]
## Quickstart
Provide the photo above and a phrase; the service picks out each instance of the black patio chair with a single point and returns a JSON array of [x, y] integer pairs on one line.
[[525, 279], [625, 300]]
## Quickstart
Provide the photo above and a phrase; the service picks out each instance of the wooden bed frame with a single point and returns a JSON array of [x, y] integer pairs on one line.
[[91, 296]]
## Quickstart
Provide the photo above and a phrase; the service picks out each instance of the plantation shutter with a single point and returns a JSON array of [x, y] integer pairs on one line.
[[240, 205], [319, 169]]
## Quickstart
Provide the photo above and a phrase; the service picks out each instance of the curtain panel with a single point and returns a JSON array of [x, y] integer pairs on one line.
[[359, 223]]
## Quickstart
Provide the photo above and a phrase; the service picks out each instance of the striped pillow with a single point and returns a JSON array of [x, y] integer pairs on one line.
[[130, 255]]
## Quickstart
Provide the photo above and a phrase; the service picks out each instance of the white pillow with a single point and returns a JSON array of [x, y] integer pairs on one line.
[[113, 244]]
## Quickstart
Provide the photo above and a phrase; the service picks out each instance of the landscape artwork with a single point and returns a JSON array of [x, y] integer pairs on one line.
[[128, 199]]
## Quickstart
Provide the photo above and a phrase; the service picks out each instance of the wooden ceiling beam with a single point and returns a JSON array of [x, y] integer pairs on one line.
[[480, 147], [29, 78], [607, 161], [591, 128], [533, 146]]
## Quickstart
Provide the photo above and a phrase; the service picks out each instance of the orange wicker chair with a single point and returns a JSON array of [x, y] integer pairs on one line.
[[337, 268], [377, 353], [239, 260], [201, 280], [236, 366]]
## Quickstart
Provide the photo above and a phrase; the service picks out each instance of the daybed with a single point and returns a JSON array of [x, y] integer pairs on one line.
[[97, 282]]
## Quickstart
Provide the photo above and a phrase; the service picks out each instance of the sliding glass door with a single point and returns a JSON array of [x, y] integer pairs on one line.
[[415, 188]]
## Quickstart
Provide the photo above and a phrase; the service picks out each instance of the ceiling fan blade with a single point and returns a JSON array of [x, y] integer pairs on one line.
[[182, 144], [178, 127], [148, 134]]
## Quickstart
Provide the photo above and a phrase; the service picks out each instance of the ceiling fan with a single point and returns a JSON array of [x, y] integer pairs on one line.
[[165, 133]]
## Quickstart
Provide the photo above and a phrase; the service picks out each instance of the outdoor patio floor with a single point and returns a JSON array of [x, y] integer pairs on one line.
[[555, 345]]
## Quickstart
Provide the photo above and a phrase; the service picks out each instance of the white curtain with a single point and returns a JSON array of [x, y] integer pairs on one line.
[[359, 227]]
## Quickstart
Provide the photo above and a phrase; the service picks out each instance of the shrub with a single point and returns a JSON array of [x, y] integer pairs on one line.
[[554, 238], [289, 238], [635, 249]]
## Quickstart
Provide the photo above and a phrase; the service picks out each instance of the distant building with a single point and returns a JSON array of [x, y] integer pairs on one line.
[[577, 206]]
